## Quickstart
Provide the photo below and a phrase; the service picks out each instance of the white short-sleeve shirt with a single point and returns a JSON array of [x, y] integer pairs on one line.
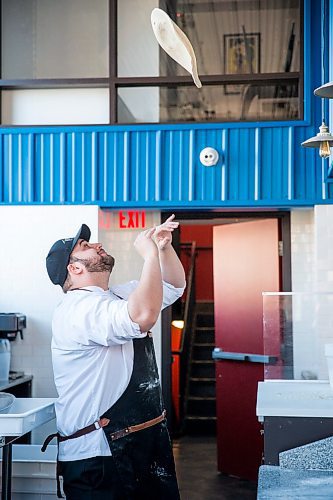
[[92, 356]]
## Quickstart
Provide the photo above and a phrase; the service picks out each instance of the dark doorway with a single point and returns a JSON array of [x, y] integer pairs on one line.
[[199, 226]]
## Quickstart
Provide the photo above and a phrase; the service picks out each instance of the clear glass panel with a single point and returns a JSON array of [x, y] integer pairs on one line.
[[138, 104], [213, 102], [55, 107], [242, 36], [54, 39], [138, 50], [297, 326]]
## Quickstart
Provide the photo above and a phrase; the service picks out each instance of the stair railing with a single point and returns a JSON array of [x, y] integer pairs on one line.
[[185, 345]]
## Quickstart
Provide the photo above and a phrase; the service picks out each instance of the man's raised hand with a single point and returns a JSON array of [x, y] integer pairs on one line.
[[163, 232], [144, 243]]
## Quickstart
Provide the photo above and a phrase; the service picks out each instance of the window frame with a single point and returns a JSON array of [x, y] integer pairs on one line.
[[114, 82]]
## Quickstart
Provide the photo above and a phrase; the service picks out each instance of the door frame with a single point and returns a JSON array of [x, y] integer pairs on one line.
[[283, 217]]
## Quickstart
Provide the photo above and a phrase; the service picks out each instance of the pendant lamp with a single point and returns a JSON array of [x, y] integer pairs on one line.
[[323, 140], [325, 91]]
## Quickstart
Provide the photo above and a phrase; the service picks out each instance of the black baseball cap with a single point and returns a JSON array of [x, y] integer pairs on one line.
[[58, 257]]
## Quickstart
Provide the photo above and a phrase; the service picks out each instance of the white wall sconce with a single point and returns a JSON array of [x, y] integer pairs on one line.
[[209, 157]]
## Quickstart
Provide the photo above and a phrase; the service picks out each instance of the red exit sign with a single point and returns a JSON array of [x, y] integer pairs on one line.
[[132, 219]]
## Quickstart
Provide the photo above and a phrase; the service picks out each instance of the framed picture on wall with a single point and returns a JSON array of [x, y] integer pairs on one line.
[[241, 56]]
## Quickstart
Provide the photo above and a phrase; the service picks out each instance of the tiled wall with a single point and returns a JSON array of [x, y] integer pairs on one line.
[[323, 216], [302, 266], [311, 249], [27, 234], [312, 276], [323, 237], [302, 250]]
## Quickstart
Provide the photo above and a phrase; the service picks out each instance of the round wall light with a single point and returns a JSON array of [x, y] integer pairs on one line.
[[209, 157]]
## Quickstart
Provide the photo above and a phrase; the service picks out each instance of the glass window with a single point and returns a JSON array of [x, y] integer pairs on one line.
[[238, 37], [138, 50], [54, 39], [60, 40], [138, 104], [55, 106], [212, 103]]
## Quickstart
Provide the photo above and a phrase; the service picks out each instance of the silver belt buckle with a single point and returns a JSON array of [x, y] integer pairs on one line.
[[97, 425]]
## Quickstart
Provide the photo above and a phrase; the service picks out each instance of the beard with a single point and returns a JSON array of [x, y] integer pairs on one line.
[[99, 264]]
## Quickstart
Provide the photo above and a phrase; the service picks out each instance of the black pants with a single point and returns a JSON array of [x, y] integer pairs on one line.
[[92, 479], [98, 479]]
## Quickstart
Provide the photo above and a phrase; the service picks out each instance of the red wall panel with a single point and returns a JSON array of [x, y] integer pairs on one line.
[[203, 236]]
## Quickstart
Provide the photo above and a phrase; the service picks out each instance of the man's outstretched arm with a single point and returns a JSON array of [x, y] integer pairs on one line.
[[144, 303], [171, 267]]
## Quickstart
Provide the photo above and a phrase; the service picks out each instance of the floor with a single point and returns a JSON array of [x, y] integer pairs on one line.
[[197, 473]]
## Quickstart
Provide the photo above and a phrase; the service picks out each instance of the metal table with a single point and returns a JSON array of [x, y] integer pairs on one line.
[[25, 415]]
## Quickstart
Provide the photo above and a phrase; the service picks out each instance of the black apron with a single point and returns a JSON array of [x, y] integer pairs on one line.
[[144, 459]]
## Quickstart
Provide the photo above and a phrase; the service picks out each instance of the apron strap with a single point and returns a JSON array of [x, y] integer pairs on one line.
[[139, 427], [45, 445], [48, 440]]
